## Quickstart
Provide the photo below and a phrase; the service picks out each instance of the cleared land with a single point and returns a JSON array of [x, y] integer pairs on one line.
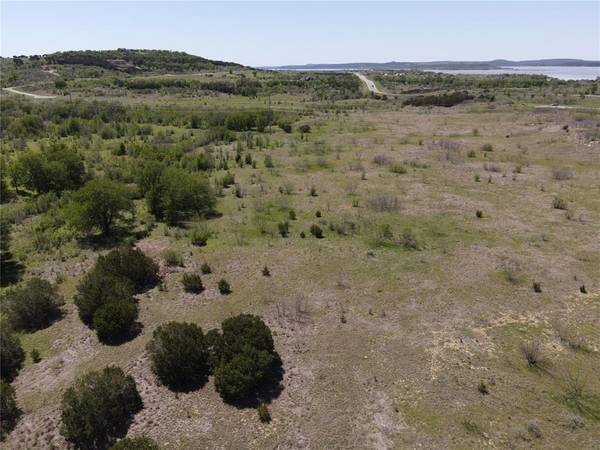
[[390, 325]]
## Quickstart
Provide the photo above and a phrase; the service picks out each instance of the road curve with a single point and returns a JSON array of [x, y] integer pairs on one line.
[[16, 91], [370, 84]]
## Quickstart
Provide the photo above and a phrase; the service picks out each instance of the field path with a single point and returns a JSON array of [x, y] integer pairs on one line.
[[370, 84], [16, 91]]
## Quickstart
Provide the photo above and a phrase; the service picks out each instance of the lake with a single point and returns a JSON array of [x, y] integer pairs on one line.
[[560, 72]]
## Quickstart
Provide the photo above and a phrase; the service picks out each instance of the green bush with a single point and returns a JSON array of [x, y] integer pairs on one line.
[[132, 264], [487, 148], [192, 283], [114, 320], [247, 357], [284, 228], [199, 238], [266, 272], [269, 162], [316, 231], [12, 355], [559, 203], [224, 287], [33, 305], [136, 443], [35, 355], [205, 269], [178, 355], [9, 410], [116, 276], [172, 258], [263, 413], [98, 408]]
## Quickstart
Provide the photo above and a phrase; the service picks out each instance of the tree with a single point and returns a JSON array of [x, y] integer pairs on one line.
[[98, 408], [173, 194], [114, 320], [33, 306], [98, 205], [98, 288], [9, 410], [56, 169], [214, 346], [247, 357], [178, 355], [11, 354], [136, 443], [115, 277]]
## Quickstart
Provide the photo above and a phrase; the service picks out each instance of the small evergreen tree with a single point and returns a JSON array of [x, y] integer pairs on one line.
[[98, 408], [33, 306], [178, 355], [9, 410], [12, 355]]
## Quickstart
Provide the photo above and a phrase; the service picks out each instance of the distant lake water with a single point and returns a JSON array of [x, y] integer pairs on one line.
[[560, 72]]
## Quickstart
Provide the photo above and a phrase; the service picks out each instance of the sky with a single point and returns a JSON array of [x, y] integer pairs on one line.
[[280, 33]]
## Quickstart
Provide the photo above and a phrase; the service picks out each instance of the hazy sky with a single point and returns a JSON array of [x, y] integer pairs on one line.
[[279, 33]]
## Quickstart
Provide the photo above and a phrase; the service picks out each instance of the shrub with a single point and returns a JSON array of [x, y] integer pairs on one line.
[[192, 283], [292, 214], [116, 276], [132, 264], [266, 272], [316, 231], [559, 203], [172, 258], [583, 289], [33, 305], [479, 214], [533, 354], [284, 228], [313, 191], [35, 355], [487, 148], [471, 154], [318, 214], [269, 162], [561, 173], [98, 408], [205, 269], [534, 429], [247, 358], [98, 288], [537, 287], [302, 234], [136, 443], [477, 178], [9, 410], [228, 180], [178, 355], [304, 129], [224, 287], [263, 413], [114, 320], [200, 238], [409, 241], [12, 355], [482, 388], [398, 168]]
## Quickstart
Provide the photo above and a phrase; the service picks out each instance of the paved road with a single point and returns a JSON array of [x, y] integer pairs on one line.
[[16, 91], [370, 85]]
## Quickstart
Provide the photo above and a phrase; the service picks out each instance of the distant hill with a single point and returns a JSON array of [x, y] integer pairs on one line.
[[442, 65], [132, 60]]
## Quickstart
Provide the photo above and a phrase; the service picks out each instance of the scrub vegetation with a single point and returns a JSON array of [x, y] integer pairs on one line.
[[198, 254]]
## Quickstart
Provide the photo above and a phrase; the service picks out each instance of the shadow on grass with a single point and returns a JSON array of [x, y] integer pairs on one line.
[[10, 270]]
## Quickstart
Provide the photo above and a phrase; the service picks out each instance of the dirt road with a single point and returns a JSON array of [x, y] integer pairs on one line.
[[16, 91]]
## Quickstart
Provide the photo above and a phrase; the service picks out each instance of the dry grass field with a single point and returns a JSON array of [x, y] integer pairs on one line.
[[410, 323]]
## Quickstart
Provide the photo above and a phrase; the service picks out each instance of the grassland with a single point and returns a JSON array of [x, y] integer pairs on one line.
[[389, 325]]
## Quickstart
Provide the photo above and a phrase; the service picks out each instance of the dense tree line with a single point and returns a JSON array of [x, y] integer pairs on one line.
[[244, 86], [446, 99]]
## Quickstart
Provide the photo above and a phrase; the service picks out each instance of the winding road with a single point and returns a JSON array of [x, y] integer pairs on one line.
[[16, 91]]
